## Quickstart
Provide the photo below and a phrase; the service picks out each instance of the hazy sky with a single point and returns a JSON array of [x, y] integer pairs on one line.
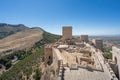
[[94, 17]]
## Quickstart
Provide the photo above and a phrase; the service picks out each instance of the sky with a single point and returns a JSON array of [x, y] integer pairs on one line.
[[92, 17]]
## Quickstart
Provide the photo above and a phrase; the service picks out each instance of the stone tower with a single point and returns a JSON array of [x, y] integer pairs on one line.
[[67, 32], [48, 57], [98, 43], [84, 38]]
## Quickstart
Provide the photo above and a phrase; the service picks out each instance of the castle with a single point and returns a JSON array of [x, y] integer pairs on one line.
[[76, 59]]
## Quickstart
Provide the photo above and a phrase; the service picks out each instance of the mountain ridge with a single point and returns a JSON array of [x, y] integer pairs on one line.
[[9, 29]]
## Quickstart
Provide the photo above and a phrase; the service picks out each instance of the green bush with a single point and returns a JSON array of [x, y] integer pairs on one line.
[[38, 74], [108, 55], [0, 66], [53, 72], [24, 66]]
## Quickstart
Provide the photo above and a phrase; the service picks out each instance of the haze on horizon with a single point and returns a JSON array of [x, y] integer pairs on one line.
[[93, 17]]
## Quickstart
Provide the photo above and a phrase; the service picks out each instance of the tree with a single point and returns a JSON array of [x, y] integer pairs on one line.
[[0, 66], [8, 65]]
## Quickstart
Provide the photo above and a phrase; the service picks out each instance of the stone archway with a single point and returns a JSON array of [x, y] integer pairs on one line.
[[49, 60]]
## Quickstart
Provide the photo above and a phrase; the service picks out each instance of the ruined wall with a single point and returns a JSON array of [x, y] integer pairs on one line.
[[116, 57], [67, 32], [58, 63], [55, 59], [103, 62]]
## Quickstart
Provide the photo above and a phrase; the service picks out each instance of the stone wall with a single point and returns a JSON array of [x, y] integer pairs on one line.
[[102, 61], [58, 63], [48, 57], [116, 57]]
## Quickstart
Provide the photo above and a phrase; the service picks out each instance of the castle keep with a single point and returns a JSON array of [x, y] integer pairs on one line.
[[67, 32]]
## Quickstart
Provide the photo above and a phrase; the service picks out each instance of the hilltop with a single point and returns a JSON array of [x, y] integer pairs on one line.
[[9, 29], [19, 37], [20, 40]]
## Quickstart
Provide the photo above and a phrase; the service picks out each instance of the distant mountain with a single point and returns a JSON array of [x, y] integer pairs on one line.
[[8, 29], [19, 37], [24, 39], [38, 28]]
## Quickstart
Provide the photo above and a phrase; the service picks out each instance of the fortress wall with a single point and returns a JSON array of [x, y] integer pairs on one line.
[[57, 58], [116, 57], [102, 61], [58, 62], [106, 65]]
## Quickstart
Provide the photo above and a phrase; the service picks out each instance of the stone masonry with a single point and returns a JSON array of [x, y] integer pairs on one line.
[[67, 32]]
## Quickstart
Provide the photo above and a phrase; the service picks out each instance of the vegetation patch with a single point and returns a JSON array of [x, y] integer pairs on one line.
[[27, 60], [107, 54], [23, 67]]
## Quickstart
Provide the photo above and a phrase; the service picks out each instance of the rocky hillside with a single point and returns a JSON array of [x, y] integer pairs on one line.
[[8, 29], [29, 63], [18, 37], [21, 40]]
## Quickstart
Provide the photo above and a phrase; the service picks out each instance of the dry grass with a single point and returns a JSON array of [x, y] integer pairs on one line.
[[21, 40]]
